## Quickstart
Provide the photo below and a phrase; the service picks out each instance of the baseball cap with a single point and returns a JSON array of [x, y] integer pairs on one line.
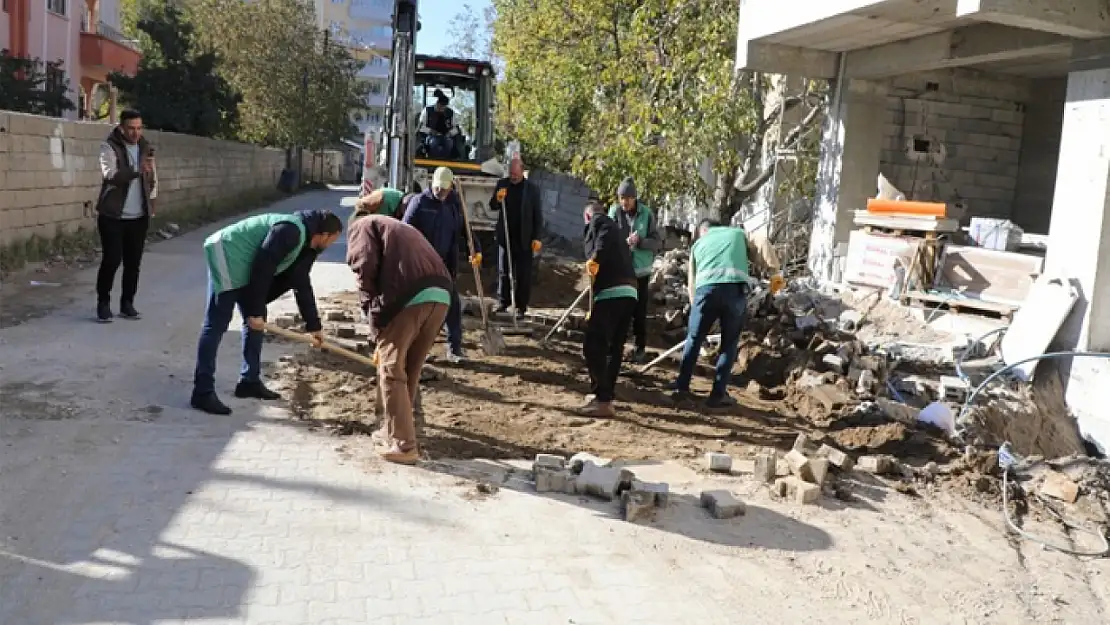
[[443, 178]]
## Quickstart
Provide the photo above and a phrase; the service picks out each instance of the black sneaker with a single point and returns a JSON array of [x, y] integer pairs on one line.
[[682, 397], [502, 309], [724, 401], [127, 311], [209, 403], [255, 390], [521, 315], [104, 312]]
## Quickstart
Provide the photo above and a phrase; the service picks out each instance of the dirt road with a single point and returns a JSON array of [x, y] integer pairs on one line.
[[118, 504]]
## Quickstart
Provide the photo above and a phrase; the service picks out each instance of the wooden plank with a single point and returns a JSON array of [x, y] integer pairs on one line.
[[954, 303], [990, 275], [905, 222]]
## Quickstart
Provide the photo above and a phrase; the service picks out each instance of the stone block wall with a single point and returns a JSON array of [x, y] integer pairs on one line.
[[956, 137], [50, 175], [564, 198]]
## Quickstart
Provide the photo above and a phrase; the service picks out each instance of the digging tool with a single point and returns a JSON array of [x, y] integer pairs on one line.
[[335, 349], [566, 313], [509, 259], [712, 338], [493, 343]]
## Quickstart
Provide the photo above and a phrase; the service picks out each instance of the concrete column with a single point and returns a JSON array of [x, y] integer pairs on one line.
[[1079, 244], [847, 172]]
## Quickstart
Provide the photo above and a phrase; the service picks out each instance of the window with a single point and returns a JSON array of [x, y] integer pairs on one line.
[[54, 78], [56, 6]]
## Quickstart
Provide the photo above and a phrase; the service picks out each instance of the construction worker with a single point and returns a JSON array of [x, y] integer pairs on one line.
[[641, 232], [519, 227], [437, 214], [610, 267], [384, 201], [244, 260], [442, 138], [405, 291], [719, 284]]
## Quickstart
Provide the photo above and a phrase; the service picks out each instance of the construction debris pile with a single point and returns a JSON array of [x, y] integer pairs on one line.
[[669, 288]]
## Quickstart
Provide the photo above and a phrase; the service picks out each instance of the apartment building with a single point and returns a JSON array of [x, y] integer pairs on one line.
[[84, 35], [365, 26]]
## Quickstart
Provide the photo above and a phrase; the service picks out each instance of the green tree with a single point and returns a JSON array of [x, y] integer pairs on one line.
[[175, 88], [612, 88], [29, 85]]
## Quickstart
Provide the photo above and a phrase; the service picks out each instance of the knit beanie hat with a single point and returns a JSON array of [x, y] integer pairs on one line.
[[627, 188]]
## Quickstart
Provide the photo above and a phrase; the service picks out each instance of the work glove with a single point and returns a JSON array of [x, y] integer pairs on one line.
[[476, 260], [501, 193], [536, 247], [592, 268], [377, 359], [777, 282]]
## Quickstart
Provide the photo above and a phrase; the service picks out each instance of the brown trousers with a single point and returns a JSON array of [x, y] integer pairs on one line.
[[402, 348]]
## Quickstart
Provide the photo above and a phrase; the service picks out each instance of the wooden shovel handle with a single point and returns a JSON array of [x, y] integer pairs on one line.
[[335, 349]]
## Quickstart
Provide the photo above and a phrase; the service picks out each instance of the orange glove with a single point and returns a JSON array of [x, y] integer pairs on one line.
[[377, 358], [501, 193], [536, 247], [476, 260], [777, 282], [592, 268]]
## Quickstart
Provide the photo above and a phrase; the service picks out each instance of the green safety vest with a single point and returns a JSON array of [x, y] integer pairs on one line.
[[391, 199], [230, 251], [721, 257], [641, 259]]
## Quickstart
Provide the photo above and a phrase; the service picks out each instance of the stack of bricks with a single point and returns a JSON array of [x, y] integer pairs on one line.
[[50, 174]]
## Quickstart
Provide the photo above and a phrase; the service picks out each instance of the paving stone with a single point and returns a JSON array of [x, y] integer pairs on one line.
[[836, 457], [877, 465], [722, 504], [803, 444], [549, 461], [604, 482], [766, 466], [637, 507], [578, 461], [660, 491], [819, 467], [336, 315], [718, 462], [552, 481], [345, 332], [793, 487], [284, 321], [799, 465]]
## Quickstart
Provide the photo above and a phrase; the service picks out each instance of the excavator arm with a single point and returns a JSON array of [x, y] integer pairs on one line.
[[399, 144]]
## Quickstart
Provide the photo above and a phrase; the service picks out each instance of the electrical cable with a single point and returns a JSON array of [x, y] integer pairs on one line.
[[1041, 541]]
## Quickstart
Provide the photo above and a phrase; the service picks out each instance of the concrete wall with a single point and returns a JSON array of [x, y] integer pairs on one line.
[[564, 199], [50, 177], [1040, 147], [955, 137]]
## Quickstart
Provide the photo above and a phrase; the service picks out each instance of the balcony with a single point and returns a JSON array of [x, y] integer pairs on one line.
[[105, 50]]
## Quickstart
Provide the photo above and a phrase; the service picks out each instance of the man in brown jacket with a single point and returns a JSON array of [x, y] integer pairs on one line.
[[405, 291]]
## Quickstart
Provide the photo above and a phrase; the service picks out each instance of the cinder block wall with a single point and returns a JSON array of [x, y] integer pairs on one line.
[[564, 199], [971, 125], [50, 177], [1040, 154]]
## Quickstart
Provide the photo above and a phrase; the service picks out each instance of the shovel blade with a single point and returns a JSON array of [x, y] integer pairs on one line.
[[493, 343]]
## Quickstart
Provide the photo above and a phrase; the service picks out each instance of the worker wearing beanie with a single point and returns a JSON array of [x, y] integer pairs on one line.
[[639, 228], [437, 214]]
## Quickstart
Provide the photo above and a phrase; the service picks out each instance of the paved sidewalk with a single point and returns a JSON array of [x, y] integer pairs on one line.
[[119, 504]]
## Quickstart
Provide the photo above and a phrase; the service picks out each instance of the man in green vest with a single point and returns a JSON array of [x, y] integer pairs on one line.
[[639, 228], [244, 260], [719, 283]]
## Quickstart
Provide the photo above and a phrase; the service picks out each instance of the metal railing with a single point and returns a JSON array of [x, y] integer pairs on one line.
[[108, 32]]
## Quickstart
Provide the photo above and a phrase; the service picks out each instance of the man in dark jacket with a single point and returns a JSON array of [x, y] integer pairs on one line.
[[245, 260], [128, 189], [609, 265], [437, 214], [405, 291], [641, 230], [517, 202]]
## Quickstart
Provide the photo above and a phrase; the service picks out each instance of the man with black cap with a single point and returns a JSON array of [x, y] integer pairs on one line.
[[640, 230], [246, 261], [437, 124]]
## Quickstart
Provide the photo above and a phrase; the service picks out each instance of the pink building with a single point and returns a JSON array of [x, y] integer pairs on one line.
[[83, 35]]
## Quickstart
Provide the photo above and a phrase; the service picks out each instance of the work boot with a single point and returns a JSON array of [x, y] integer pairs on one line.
[[127, 311], [680, 396], [595, 408], [104, 312], [724, 401], [639, 355], [208, 402], [502, 309], [398, 456], [255, 390]]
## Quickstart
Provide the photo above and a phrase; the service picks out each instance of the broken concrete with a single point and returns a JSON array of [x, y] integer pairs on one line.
[[836, 457], [799, 465], [659, 491], [765, 468], [637, 506], [802, 492]]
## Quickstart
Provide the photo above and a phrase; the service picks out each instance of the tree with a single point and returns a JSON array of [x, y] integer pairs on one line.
[[298, 87], [29, 85], [175, 88], [471, 35], [645, 88]]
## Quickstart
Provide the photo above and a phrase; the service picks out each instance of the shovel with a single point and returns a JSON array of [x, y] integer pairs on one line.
[[493, 343], [566, 313]]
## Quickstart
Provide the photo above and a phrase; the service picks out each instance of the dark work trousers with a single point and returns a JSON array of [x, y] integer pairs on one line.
[[639, 320], [522, 272], [121, 242], [728, 304], [217, 317], [604, 344]]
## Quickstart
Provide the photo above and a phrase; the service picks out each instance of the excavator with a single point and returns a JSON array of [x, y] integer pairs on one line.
[[415, 82]]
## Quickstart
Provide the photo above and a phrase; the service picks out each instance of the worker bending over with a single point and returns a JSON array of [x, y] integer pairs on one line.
[[719, 284], [639, 228], [246, 261], [610, 267], [405, 292], [437, 214], [384, 201]]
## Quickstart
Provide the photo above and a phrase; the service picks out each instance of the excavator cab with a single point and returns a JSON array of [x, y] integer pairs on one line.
[[469, 87]]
